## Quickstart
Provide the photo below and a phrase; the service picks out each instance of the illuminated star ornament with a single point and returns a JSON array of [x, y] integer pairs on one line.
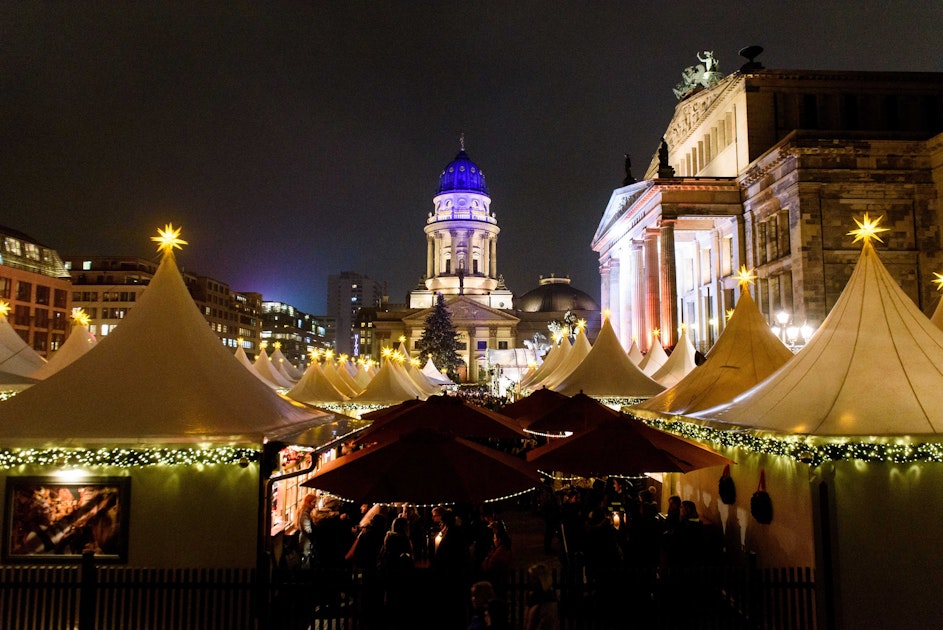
[[745, 276], [4, 309], [80, 317], [868, 229], [938, 281], [168, 238]]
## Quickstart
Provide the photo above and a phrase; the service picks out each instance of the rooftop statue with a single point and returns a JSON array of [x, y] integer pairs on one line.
[[704, 74]]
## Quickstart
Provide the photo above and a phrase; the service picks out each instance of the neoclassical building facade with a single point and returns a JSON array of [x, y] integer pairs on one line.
[[768, 169]]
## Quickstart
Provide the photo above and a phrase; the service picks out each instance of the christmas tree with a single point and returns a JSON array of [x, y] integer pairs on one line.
[[439, 340]]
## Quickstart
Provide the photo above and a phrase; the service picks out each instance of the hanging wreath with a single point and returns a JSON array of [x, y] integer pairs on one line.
[[726, 487], [761, 506]]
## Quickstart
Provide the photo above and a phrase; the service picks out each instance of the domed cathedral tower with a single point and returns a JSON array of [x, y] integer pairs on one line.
[[462, 240]]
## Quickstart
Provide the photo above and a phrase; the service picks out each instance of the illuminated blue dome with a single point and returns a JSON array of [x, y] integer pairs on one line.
[[462, 174]]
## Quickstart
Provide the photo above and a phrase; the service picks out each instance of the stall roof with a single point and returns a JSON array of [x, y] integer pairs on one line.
[[161, 377], [874, 368]]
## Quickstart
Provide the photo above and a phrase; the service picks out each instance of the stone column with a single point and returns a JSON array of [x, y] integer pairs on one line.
[[604, 297], [651, 291], [430, 256], [669, 286], [494, 257], [636, 297], [615, 294]]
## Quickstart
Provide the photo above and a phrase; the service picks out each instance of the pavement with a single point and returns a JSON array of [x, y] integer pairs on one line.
[[527, 538]]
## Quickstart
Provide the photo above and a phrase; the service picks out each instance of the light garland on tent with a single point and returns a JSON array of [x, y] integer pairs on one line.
[[126, 457], [803, 449]]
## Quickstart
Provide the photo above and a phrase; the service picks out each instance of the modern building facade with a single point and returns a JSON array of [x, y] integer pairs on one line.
[[298, 333], [107, 287], [347, 293], [767, 168], [35, 283]]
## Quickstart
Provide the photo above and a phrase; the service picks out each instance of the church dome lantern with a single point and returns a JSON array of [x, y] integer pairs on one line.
[[462, 175]]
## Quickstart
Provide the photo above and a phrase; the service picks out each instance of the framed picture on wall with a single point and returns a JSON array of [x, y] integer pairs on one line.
[[47, 519]]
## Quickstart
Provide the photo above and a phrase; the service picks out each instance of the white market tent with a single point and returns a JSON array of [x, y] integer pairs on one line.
[[420, 380], [654, 358], [680, 362], [387, 387], [554, 358], [16, 357], [160, 378], [263, 365], [634, 353], [343, 373], [331, 374], [363, 376], [874, 368], [434, 374], [607, 371], [573, 358], [937, 317], [242, 358], [284, 366], [79, 342], [162, 389], [314, 388], [745, 354]]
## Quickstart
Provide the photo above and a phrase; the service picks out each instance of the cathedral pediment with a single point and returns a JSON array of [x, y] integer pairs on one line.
[[464, 309]]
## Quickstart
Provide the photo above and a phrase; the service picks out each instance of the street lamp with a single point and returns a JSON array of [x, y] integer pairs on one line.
[[794, 337]]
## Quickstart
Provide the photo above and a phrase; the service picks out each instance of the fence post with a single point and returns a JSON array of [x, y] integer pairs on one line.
[[754, 591], [87, 591]]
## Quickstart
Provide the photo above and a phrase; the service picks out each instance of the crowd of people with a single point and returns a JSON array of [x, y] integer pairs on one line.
[[455, 564], [450, 565]]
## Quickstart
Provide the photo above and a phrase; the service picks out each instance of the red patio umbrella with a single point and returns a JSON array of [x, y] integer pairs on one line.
[[425, 466], [623, 446], [577, 413], [538, 403], [449, 414], [379, 413]]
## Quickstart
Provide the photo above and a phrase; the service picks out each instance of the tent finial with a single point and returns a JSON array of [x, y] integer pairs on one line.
[[168, 238], [868, 229]]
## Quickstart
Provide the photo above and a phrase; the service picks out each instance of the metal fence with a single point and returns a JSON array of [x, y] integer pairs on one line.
[[87, 597]]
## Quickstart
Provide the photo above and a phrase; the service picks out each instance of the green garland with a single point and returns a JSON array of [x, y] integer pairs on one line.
[[126, 457], [802, 448]]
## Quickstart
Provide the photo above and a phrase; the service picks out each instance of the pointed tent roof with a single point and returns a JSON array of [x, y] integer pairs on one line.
[[574, 357], [242, 358], [363, 376], [79, 342], [162, 377], [654, 359], [263, 365], [607, 371], [745, 354], [434, 375], [421, 381], [16, 357], [344, 375], [634, 353], [314, 388], [937, 317], [284, 366], [679, 363], [874, 368], [330, 373], [386, 387], [554, 358]]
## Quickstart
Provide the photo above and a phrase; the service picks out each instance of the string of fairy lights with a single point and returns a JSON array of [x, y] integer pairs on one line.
[[802, 448], [806, 450], [126, 457]]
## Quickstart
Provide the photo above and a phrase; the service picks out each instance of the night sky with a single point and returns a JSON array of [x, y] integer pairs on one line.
[[295, 140]]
